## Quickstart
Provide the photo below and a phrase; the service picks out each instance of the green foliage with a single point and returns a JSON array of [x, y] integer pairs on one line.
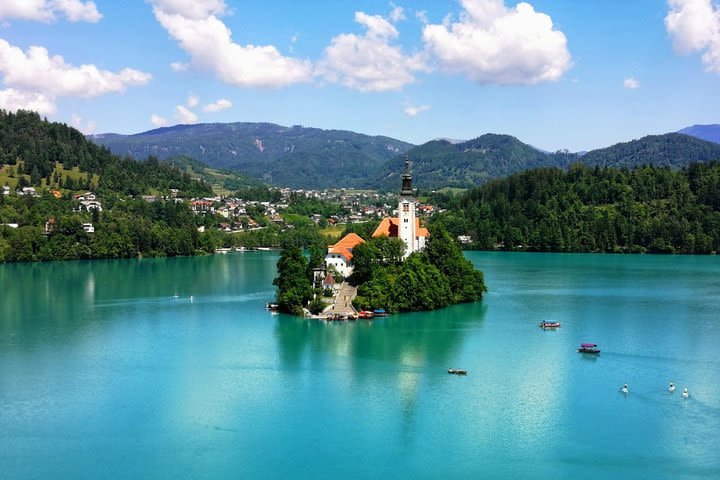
[[426, 280], [317, 305], [294, 288], [654, 209]]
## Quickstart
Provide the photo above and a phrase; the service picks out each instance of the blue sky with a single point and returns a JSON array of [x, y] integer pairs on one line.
[[554, 73]]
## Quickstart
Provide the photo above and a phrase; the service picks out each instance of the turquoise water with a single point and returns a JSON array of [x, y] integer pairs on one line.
[[105, 373]]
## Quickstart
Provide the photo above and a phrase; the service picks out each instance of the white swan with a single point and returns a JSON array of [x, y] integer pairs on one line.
[[624, 389], [685, 393], [671, 388]]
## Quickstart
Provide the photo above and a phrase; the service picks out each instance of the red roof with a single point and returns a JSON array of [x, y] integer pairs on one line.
[[345, 245], [389, 227]]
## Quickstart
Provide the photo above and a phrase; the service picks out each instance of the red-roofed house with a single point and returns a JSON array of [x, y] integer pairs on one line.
[[340, 255]]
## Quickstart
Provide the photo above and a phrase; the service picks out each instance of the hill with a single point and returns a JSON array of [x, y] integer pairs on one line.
[[674, 150], [440, 163], [644, 209], [294, 156], [711, 133]]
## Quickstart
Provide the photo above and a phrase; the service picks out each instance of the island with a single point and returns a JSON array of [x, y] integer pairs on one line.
[[402, 267]]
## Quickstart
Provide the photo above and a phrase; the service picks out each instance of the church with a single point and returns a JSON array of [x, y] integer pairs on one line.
[[406, 226]]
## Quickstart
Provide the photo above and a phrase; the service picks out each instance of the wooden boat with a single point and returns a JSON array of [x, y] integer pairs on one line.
[[454, 371], [588, 348], [366, 314], [546, 324]]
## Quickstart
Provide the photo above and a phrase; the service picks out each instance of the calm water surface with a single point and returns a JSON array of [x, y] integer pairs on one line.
[[106, 373]]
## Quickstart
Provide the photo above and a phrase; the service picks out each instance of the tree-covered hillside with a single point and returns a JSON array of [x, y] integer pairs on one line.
[[648, 209], [440, 163], [288, 156], [673, 150], [33, 149]]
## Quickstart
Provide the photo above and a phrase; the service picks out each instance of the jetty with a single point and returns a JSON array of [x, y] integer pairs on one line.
[[341, 306]]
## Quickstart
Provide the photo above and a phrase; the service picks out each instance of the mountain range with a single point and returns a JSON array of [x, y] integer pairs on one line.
[[302, 157]]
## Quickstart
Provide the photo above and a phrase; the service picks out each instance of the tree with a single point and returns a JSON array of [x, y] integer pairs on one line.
[[294, 288]]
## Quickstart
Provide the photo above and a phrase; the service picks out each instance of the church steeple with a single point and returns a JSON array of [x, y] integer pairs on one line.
[[407, 190]]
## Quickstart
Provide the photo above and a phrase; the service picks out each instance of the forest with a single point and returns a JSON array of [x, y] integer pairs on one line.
[[592, 209]]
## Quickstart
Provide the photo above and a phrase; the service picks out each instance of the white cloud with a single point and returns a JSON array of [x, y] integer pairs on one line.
[[369, 62], [631, 83], [77, 122], [221, 104], [208, 41], [158, 121], [36, 71], [397, 14], [422, 16], [185, 115], [191, 9], [46, 10], [13, 100], [179, 66], [192, 101], [411, 110], [492, 44], [694, 26]]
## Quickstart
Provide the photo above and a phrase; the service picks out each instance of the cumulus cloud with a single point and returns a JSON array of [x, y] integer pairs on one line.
[[179, 66], [157, 120], [422, 16], [412, 111], [185, 115], [220, 105], [493, 44], [397, 14], [192, 101], [197, 29], [694, 26], [631, 83], [47, 10], [370, 62], [13, 100], [36, 71], [85, 127]]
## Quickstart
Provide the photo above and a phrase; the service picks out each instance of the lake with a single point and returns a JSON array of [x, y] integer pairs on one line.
[[172, 368]]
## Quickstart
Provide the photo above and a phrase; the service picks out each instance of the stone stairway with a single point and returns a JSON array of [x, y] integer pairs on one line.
[[342, 303]]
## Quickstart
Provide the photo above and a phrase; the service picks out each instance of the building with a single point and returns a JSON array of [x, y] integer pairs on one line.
[[340, 255], [406, 226]]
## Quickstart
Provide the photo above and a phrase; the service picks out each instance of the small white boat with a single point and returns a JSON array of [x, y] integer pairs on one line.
[[263, 249], [223, 250]]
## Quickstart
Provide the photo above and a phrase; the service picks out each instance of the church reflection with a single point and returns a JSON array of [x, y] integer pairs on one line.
[[412, 347]]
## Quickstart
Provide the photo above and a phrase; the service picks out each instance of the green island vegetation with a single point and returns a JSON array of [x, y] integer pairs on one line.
[[430, 279], [591, 209]]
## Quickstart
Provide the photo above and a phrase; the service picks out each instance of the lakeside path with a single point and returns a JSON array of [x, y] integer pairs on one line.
[[342, 303]]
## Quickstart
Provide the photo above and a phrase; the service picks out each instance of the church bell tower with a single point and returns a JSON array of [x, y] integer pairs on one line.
[[406, 213]]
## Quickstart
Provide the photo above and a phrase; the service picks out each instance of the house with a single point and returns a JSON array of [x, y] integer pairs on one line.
[[328, 282], [49, 225], [89, 206], [225, 227], [88, 227], [464, 239], [202, 206], [56, 193], [174, 192], [27, 191], [340, 255], [6, 190], [277, 219]]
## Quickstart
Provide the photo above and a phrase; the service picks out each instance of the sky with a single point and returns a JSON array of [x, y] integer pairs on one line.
[[557, 74]]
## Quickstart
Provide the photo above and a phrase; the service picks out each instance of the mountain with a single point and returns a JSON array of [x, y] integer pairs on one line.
[[674, 150], [711, 133], [294, 156], [440, 163]]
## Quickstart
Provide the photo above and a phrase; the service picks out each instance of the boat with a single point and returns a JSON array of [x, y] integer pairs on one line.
[[455, 371], [380, 313], [546, 324], [588, 348], [263, 249], [240, 249], [366, 314], [223, 250], [272, 306]]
